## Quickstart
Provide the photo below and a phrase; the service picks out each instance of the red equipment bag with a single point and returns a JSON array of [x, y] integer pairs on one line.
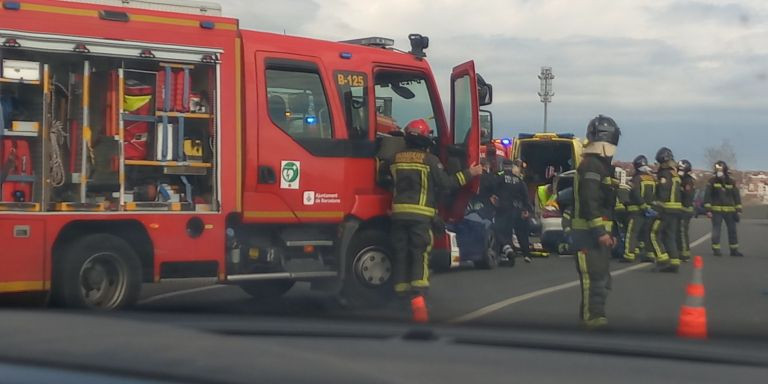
[[181, 90], [137, 101], [17, 152]]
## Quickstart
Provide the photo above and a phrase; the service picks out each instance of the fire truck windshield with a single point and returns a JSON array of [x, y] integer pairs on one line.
[[403, 97]]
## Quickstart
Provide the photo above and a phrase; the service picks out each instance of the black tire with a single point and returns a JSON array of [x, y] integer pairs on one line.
[[263, 290], [102, 260], [490, 259], [362, 287]]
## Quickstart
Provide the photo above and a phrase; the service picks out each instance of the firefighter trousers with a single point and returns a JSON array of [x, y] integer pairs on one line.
[[684, 240], [730, 223], [664, 234], [411, 242], [634, 239], [512, 222], [595, 277]]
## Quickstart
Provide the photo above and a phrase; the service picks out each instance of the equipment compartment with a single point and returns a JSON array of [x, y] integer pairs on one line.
[[96, 133]]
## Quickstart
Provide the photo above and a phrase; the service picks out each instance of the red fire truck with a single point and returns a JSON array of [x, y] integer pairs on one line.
[[147, 144]]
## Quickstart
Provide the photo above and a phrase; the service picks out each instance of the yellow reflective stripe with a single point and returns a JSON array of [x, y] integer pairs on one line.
[[133, 17], [655, 240], [402, 287], [633, 208], [723, 208], [675, 187], [672, 205], [424, 186], [579, 224], [674, 262], [424, 281], [409, 166], [598, 222], [461, 178], [582, 260], [717, 185], [728, 186], [627, 251], [608, 181], [413, 208], [23, 286], [268, 214]]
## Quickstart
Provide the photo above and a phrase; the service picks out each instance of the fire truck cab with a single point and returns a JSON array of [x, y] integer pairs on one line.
[[143, 144]]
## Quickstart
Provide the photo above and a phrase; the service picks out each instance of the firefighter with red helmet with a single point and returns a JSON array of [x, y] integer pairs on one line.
[[418, 177]]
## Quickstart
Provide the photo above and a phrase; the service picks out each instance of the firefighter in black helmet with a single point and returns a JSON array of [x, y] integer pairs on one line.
[[641, 197], [594, 200], [668, 203], [418, 176], [684, 169], [723, 203]]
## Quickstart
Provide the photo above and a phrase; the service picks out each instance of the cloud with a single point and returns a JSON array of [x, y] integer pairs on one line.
[[665, 68]]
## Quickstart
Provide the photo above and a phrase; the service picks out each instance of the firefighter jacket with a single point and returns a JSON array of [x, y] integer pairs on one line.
[[688, 191], [418, 178], [594, 200], [512, 193], [643, 192], [722, 195], [669, 191]]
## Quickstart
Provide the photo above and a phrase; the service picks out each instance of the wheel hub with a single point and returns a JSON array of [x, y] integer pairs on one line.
[[373, 267], [103, 280]]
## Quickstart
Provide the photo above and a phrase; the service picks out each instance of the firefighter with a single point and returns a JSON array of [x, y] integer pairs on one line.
[[513, 211], [641, 196], [418, 178], [723, 203], [688, 190], [668, 203], [594, 200]]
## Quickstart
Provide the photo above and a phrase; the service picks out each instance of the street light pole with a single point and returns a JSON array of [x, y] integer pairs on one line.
[[545, 90]]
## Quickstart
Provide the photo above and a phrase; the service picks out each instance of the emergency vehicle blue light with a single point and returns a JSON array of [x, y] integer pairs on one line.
[[12, 5], [345, 55], [205, 24], [310, 120], [506, 142]]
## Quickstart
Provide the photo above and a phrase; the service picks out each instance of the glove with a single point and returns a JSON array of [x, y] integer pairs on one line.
[[650, 213]]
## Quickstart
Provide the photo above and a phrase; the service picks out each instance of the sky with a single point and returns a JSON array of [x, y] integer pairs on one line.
[[677, 73]]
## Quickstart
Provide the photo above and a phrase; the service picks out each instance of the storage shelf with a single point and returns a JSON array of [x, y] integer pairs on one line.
[[19, 133], [185, 115], [152, 163], [12, 206], [21, 178], [19, 81]]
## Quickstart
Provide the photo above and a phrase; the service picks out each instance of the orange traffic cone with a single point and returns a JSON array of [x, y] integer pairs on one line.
[[419, 310], [693, 315]]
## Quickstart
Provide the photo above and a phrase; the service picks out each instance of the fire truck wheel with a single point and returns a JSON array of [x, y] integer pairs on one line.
[[98, 272], [262, 290], [369, 269]]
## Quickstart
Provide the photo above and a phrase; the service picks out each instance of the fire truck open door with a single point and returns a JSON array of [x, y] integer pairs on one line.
[[464, 148]]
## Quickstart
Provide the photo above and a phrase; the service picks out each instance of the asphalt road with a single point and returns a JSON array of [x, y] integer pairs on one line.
[[542, 294]]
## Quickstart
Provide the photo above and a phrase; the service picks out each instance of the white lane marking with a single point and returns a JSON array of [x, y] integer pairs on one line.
[[545, 291], [178, 293]]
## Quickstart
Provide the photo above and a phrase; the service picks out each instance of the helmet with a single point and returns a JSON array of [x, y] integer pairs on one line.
[[417, 134], [640, 161], [721, 166], [603, 129], [418, 127], [684, 166], [664, 155]]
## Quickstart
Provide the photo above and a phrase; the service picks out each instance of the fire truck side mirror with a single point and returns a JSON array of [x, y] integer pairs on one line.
[[484, 91]]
